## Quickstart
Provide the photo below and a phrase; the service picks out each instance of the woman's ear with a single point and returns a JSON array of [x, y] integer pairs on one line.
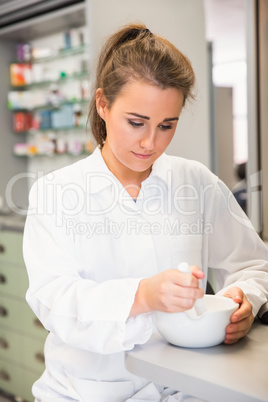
[[101, 103]]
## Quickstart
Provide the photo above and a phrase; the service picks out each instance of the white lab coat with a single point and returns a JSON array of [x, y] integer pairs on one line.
[[87, 245]]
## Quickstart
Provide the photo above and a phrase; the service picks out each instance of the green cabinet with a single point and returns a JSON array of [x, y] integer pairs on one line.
[[22, 335]]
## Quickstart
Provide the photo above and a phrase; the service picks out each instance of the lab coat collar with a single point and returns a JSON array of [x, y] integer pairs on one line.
[[102, 177], [162, 169]]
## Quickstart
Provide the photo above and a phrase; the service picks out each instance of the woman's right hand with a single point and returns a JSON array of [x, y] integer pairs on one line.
[[169, 291]]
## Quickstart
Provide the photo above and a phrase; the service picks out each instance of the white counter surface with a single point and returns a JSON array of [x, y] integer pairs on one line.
[[233, 373]]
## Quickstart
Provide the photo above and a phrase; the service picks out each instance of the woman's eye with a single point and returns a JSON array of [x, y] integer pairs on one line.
[[165, 127], [135, 124]]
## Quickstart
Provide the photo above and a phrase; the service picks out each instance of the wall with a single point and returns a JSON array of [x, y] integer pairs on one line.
[[263, 98], [183, 23], [223, 105], [254, 84]]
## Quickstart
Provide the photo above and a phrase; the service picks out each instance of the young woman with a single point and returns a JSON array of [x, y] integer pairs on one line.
[[104, 236]]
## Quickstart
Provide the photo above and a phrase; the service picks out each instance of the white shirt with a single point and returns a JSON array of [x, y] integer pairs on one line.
[[87, 245]]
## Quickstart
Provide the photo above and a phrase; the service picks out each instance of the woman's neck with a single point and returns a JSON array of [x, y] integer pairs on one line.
[[130, 179]]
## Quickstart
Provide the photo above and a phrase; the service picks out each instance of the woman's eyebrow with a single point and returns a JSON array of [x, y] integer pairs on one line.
[[139, 115], [148, 118], [171, 119]]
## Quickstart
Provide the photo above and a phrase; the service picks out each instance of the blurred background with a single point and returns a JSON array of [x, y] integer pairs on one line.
[[48, 50]]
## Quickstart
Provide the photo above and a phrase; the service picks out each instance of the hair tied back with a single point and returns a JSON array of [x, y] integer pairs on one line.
[[133, 33], [129, 35], [146, 31]]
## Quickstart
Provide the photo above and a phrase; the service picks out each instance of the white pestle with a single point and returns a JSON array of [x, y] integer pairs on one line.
[[199, 304]]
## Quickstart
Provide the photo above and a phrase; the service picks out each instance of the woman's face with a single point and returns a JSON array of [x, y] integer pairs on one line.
[[140, 125]]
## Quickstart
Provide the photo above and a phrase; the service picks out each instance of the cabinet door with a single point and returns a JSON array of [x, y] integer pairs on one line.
[[17, 381], [16, 314], [10, 313], [11, 247], [13, 280], [9, 378], [31, 324], [32, 354], [10, 345], [27, 380]]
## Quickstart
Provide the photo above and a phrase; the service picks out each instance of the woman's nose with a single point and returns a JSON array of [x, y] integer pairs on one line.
[[148, 141]]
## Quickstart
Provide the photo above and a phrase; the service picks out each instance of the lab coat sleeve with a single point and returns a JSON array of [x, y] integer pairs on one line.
[[235, 251], [82, 313]]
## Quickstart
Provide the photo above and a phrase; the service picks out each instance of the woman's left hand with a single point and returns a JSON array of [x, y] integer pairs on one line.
[[242, 319]]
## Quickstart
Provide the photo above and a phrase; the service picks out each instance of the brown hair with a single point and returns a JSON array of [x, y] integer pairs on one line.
[[134, 53]]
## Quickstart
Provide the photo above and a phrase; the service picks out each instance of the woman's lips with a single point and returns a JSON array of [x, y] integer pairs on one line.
[[142, 156]]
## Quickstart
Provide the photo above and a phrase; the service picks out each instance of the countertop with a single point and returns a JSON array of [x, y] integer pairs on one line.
[[233, 373]]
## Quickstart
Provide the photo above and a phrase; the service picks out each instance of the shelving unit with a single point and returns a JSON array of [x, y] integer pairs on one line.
[[58, 111], [35, 30]]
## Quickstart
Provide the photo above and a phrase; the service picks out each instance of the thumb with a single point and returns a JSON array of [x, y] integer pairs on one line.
[[234, 293]]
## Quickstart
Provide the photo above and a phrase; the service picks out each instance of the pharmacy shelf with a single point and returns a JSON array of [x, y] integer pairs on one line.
[[51, 107], [53, 129], [57, 55], [62, 53], [61, 80]]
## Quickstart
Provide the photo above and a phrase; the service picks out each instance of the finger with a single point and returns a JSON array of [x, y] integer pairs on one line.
[[235, 293], [180, 298], [196, 271], [188, 292], [185, 279], [173, 290], [244, 311], [233, 337], [181, 304], [243, 325], [176, 304], [173, 278], [236, 331]]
